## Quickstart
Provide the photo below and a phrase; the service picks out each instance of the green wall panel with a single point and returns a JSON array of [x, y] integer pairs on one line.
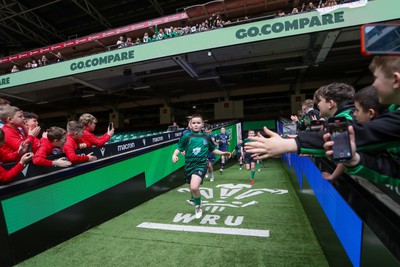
[[25, 209]]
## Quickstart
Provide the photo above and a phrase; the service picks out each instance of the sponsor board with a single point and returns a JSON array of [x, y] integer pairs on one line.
[[100, 152]]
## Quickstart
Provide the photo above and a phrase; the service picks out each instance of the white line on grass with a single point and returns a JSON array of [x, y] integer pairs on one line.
[[205, 229]]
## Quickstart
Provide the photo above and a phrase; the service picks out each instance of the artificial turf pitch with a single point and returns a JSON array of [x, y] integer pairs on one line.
[[270, 206]]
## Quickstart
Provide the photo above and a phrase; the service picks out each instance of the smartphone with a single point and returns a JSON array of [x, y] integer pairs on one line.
[[338, 128], [110, 126], [29, 149], [380, 39]]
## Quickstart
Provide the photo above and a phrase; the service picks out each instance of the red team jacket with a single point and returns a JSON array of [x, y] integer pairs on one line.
[[45, 149], [69, 149], [92, 140]]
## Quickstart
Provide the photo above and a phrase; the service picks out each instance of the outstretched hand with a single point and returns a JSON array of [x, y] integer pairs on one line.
[[275, 145]]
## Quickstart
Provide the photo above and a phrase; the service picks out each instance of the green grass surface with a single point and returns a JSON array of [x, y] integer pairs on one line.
[[119, 242]]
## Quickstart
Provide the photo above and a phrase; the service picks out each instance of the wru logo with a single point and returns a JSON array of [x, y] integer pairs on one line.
[[240, 196]]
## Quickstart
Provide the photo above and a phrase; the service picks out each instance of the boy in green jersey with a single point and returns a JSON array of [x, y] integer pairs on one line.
[[196, 145]]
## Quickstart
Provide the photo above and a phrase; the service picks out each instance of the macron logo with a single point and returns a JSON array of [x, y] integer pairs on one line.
[[102, 150]]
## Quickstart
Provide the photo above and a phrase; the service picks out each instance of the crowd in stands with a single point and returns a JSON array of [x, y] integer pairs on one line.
[[43, 61], [312, 6], [214, 22], [373, 134], [20, 142]]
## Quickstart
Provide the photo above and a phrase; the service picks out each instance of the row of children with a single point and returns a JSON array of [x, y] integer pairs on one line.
[[20, 143], [374, 133]]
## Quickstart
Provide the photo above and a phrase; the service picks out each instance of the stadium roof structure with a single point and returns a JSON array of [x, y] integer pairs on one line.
[[26, 25], [264, 71]]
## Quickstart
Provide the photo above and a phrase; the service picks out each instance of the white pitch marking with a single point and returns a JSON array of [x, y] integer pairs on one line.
[[205, 229]]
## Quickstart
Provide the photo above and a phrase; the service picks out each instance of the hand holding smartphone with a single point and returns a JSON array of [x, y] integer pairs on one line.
[[29, 149], [338, 128], [110, 126]]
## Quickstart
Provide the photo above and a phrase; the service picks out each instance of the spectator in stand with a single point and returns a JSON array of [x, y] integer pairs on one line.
[[310, 7], [8, 157], [218, 17], [367, 108], [56, 138], [74, 141], [295, 10], [203, 27], [121, 42], [16, 136], [380, 133], [128, 42], [45, 61], [280, 13], [160, 34], [220, 24], [176, 32], [167, 31], [310, 114], [137, 41], [8, 175], [212, 21], [154, 37], [330, 3], [14, 69], [28, 65], [34, 64], [89, 122], [334, 100], [186, 30], [30, 123], [146, 38], [59, 57], [39, 63]]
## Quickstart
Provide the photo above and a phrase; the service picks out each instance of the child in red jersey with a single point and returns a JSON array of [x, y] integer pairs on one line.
[[30, 123], [74, 135], [56, 138], [8, 175], [15, 135], [89, 122]]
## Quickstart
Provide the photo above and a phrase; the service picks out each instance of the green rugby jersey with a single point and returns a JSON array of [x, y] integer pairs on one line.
[[196, 147]]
